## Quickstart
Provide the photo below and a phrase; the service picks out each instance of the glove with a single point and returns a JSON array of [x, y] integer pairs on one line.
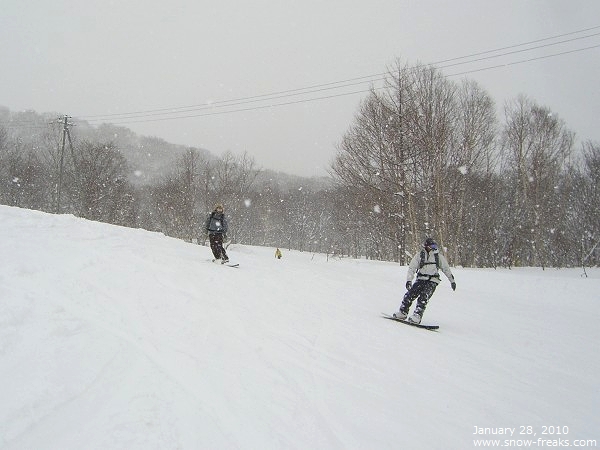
[[453, 284], [408, 285]]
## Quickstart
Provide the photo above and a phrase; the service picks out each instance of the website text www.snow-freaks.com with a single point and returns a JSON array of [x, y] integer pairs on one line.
[[528, 436], [530, 443]]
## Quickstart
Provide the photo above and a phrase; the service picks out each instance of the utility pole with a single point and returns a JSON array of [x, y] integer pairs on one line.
[[65, 135]]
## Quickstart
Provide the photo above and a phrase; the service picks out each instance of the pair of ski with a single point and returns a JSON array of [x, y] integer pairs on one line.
[[218, 261], [418, 325]]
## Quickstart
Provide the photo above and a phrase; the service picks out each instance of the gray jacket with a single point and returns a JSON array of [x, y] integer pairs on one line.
[[426, 268]]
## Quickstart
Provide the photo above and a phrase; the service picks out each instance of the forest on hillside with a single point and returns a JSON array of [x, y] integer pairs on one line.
[[425, 156]]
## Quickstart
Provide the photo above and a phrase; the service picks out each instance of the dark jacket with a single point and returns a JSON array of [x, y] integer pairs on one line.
[[216, 223]]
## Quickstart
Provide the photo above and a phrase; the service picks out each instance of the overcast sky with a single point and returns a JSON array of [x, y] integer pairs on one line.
[[197, 72]]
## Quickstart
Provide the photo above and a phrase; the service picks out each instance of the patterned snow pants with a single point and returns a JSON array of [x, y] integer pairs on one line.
[[422, 290]]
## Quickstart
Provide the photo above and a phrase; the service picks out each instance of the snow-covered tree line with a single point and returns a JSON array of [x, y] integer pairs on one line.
[[425, 156], [428, 156]]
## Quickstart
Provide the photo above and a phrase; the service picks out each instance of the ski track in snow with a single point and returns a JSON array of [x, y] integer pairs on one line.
[[120, 338]]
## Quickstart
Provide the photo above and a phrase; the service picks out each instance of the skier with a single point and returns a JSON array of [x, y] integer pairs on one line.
[[426, 263], [216, 227], [278, 254]]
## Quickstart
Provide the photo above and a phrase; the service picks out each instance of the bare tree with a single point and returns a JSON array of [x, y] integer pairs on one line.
[[189, 172], [4, 175], [405, 153], [179, 196], [584, 211], [472, 169], [537, 147], [434, 139], [103, 192], [233, 177], [22, 174]]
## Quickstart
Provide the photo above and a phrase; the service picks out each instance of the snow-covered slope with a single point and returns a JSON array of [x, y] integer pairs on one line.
[[113, 338]]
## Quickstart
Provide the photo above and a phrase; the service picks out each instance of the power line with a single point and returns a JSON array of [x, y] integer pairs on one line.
[[343, 83], [585, 30], [526, 60], [191, 111], [362, 91], [144, 118], [521, 51]]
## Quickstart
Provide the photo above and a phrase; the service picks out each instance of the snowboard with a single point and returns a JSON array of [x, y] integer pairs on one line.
[[418, 325]]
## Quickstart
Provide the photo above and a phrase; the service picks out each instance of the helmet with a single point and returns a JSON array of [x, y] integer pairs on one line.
[[219, 206], [430, 243]]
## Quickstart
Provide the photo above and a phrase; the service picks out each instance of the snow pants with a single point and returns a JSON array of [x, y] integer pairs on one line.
[[422, 290], [216, 245]]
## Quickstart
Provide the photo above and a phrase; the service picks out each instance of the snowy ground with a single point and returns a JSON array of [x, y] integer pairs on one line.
[[113, 338]]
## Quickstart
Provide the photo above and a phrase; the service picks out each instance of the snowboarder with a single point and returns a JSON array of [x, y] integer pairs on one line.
[[278, 254], [426, 263], [216, 227]]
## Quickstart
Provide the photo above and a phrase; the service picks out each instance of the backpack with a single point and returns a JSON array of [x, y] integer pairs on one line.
[[437, 259]]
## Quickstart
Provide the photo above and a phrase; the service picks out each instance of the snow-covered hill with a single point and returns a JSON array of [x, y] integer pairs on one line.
[[114, 338]]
